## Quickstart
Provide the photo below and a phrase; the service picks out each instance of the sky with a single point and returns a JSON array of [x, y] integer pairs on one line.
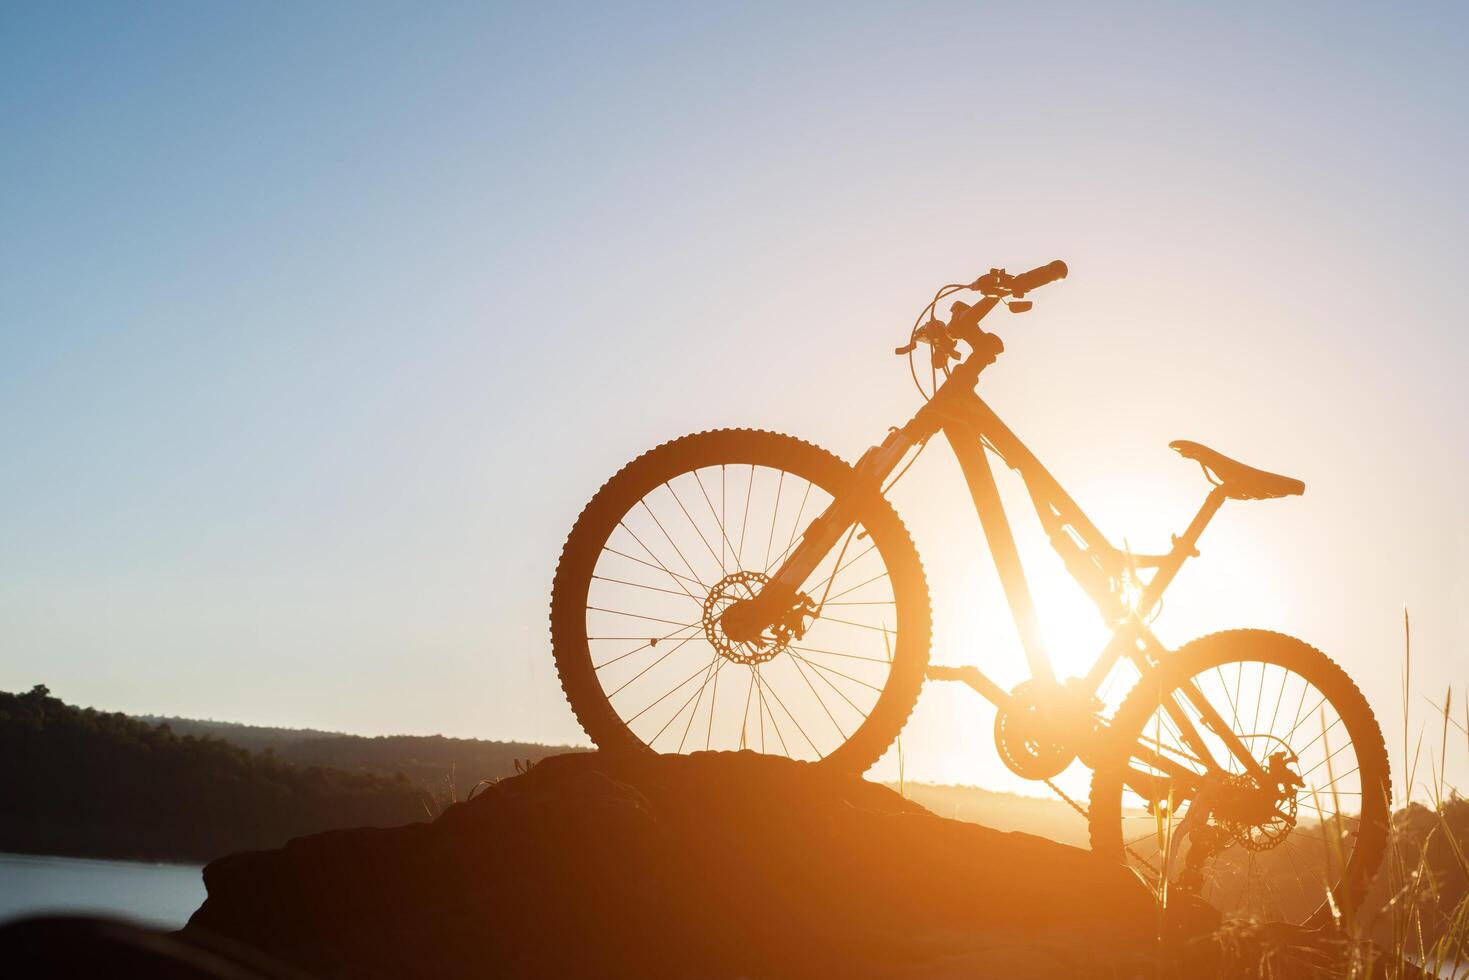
[[319, 324]]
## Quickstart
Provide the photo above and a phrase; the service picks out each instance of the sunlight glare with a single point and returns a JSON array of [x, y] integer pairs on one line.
[[1073, 632]]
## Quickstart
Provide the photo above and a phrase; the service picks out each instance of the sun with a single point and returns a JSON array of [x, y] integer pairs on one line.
[[982, 632]]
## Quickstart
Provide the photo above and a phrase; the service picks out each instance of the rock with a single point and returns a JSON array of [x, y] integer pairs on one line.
[[708, 865]]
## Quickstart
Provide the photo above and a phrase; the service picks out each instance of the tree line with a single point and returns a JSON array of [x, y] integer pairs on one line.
[[83, 782]]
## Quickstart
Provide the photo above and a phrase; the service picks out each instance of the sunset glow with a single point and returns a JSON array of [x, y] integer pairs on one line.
[[327, 412]]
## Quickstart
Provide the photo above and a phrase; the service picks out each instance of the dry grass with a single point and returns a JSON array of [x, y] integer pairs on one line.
[[1416, 922], [1425, 923]]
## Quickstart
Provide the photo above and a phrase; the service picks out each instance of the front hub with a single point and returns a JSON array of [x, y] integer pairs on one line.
[[745, 629]]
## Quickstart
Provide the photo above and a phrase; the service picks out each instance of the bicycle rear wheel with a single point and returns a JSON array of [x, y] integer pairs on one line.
[[1294, 832], [692, 528]]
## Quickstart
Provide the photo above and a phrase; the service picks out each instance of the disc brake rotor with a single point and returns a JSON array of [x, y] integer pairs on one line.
[[739, 588], [1273, 801]]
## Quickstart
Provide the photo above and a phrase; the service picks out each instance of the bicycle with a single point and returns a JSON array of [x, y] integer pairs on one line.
[[697, 560]]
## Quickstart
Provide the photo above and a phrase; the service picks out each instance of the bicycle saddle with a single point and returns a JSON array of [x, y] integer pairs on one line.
[[1239, 481]]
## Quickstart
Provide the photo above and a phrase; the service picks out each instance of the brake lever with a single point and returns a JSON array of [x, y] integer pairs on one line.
[[936, 334], [996, 282]]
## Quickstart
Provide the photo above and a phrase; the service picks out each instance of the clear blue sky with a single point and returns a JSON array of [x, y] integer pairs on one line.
[[318, 324]]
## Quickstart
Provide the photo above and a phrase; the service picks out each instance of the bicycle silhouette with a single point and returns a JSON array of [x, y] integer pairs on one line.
[[740, 589]]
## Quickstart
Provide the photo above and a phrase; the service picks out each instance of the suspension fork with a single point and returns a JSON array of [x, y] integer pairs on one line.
[[824, 533]]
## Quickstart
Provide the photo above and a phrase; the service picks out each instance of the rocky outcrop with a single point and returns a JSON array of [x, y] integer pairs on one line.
[[710, 865]]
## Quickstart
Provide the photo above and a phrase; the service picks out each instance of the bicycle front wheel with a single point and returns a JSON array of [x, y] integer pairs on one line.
[[697, 526], [1249, 770]]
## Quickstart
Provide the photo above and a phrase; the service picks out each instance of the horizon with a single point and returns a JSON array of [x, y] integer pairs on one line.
[[321, 327], [164, 719]]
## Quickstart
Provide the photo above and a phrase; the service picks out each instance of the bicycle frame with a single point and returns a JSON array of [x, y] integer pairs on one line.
[[972, 428]]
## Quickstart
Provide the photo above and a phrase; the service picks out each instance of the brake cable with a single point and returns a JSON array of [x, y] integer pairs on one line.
[[906, 467], [924, 315]]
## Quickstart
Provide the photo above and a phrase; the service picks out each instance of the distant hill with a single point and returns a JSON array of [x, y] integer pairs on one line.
[[256, 738], [1002, 811], [447, 768], [91, 783], [451, 767]]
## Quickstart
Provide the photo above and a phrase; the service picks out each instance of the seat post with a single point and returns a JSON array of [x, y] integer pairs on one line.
[[1184, 547]]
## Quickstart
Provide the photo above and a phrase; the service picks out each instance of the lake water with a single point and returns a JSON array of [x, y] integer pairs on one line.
[[157, 894]]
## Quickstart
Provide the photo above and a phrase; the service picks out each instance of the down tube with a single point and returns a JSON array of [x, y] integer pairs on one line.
[[981, 479]]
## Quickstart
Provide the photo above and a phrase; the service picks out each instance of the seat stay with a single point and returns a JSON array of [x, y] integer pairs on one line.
[[1216, 723], [1152, 652], [1188, 732], [1185, 546], [1182, 777]]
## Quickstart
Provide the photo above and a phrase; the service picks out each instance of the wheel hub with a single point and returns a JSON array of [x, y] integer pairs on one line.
[[1260, 815], [740, 628]]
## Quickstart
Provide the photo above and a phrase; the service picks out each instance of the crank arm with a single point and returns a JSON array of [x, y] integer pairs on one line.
[[988, 689]]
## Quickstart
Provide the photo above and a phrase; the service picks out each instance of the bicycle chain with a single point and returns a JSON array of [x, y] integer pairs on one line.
[[1086, 815]]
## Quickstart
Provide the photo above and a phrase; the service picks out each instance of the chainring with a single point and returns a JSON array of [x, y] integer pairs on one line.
[[1031, 733]]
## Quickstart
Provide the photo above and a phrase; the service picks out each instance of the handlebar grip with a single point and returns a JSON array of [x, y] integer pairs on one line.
[[1036, 278]]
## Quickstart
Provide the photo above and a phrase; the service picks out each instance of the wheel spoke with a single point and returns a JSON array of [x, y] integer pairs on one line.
[[651, 619], [794, 720], [639, 585], [880, 575], [647, 644], [713, 703], [745, 521], [855, 680], [1258, 867], [674, 649], [1318, 738], [848, 622], [679, 501], [774, 512], [661, 568], [840, 693], [849, 656], [718, 517], [665, 694], [796, 524], [716, 664], [760, 693], [744, 719], [796, 661], [669, 538], [676, 578]]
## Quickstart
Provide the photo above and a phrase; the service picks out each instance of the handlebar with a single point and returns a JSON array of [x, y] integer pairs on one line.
[[1038, 277], [998, 282], [995, 287]]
